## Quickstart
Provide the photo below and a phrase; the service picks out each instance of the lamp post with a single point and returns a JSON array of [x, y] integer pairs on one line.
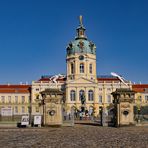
[[94, 112], [101, 113], [30, 111], [43, 104], [138, 104]]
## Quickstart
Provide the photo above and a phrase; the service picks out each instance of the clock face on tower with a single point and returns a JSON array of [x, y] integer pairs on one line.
[[81, 57]]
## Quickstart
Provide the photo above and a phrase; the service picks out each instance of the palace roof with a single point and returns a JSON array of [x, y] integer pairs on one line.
[[100, 78], [140, 87], [107, 78], [15, 88]]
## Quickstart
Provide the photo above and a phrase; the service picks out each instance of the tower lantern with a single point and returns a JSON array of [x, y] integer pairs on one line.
[[81, 56], [81, 30]]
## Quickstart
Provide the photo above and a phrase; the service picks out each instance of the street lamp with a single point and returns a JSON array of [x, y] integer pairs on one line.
[[43, 104], [138, 104]]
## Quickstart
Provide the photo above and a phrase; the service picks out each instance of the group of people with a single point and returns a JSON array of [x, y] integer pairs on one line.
[[83, 114]]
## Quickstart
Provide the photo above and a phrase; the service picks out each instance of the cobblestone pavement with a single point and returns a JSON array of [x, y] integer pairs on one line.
[[78, 136]]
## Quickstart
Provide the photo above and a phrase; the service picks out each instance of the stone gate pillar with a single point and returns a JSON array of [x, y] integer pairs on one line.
[[52, 107], [123, 103]]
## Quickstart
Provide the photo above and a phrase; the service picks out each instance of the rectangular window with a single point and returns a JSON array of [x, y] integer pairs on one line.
[[90, 95], [16, 99], [29, 99], [90, 68], [109, 89], [81, 33], [37, 109], [37, 89], [3, 99], [72, 68], [23, 99], [100, 99], [23, 109], [72, 95], [146, 98], [9, 99], [29, 109], [100, 89], [16, 109], [140, 98], [109, 99]]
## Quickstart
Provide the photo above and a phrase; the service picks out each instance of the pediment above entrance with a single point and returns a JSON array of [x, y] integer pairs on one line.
[[81, 80]]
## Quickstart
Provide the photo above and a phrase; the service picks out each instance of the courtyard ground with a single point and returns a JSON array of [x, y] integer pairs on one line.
[[79, 136]]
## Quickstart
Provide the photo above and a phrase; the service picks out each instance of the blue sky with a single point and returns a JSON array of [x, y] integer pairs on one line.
[[34, 35]]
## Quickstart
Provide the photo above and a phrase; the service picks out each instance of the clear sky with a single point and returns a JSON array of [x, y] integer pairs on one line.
[[34, 35]]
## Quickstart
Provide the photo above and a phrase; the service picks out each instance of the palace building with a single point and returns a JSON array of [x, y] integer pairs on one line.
[[82, 88], [14, 101], [141, 95]]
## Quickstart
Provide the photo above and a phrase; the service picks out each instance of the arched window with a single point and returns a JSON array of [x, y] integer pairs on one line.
[[72, 68], [72, 95], [81, 68], [90, 68], [90, 95]]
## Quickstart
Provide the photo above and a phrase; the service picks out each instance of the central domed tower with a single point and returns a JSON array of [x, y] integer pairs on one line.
[[81, 56], [81, 84]]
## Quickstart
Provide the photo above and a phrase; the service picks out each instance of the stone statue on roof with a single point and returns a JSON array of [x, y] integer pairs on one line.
[[56, 77], [119, 77]]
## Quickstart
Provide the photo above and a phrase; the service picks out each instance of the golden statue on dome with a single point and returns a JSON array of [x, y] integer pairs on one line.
[[80, 19]]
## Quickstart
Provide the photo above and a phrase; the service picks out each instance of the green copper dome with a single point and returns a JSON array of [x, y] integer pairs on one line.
[[81, 44]]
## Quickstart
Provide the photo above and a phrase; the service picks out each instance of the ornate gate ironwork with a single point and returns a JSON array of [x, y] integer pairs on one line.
[[141, 114]]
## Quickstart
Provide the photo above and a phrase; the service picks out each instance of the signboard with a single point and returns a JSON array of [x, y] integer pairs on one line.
[[25, 120], [6, 111], [37, 120]]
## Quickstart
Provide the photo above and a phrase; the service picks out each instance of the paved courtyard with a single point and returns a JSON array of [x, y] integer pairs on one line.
[[78, 137]]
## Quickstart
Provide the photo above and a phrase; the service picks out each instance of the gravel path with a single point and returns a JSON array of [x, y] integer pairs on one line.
[[78, 136]]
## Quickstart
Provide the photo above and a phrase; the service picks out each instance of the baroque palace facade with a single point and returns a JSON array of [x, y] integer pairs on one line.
[[84, 90]]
